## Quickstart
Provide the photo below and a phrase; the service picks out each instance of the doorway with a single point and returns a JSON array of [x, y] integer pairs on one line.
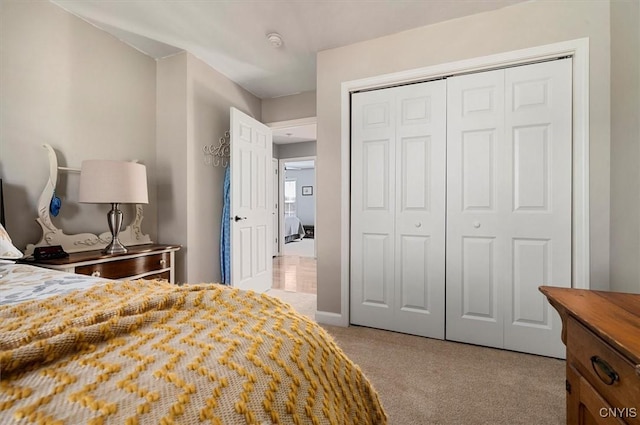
[[294, 260], [298, 183]]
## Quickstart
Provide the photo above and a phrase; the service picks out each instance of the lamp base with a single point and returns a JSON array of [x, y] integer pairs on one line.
[[115, 247], [114, 216]]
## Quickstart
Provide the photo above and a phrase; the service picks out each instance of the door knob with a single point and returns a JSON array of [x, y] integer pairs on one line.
[[238, 218]]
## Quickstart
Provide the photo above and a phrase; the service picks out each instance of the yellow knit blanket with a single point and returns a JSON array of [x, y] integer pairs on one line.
[[148, 352]]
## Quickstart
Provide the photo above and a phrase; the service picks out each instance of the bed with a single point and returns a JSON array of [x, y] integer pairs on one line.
[[293, 229], [83, 350]]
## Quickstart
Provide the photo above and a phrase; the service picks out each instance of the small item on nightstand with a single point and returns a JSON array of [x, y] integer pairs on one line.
[[54, 205], [49, 252]]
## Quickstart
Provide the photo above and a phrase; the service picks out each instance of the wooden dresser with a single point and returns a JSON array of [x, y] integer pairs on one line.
[[148, 261], [602, 333]]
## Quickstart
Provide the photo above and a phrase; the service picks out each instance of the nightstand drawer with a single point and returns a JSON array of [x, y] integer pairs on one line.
[[147, 261], [127, 267], [607, 371]]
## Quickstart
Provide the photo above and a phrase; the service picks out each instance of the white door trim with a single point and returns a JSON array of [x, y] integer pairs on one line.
[[292, 123], [579, 50], [275, 201]]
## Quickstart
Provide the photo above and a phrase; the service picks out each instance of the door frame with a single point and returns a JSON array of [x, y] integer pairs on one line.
[[275, 201], [578, 49], [281, 179]]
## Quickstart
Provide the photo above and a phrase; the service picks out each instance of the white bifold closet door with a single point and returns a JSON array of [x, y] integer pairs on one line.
[[503, 200], [398, 208], [508, 205]]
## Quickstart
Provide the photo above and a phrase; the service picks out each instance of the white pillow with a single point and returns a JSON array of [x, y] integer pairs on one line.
[[7, 250]]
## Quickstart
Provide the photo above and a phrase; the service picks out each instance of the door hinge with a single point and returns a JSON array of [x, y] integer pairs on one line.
[[567, 385]]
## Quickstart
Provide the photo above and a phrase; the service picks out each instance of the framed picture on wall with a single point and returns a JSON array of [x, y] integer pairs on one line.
[[307, 190]]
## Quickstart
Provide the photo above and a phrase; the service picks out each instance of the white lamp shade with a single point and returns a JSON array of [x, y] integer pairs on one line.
[[107, 181]]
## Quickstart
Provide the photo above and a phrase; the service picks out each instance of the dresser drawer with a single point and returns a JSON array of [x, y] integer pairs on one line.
[[598, 363], [119, 269]]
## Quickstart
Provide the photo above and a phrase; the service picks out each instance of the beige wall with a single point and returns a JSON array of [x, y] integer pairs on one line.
[[296, 150], [69, 84], [302, 105], [516, 27], [625, 149], [65, 83], [193, 111], [211, 94], [171, 124]]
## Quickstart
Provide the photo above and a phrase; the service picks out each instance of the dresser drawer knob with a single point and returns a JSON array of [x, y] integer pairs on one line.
[[96, 273], [604, 371], [163, 262]]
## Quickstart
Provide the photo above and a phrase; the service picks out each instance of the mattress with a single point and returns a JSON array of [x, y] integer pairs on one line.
[[23, 282]]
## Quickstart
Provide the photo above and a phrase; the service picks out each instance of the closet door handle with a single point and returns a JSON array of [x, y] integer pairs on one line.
[[238, 218]]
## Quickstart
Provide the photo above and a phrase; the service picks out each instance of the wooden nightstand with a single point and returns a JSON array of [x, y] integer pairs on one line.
[[148, 261]]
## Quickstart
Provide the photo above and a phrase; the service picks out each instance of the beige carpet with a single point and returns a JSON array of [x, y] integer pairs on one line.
[[423, 381], [302, 302]]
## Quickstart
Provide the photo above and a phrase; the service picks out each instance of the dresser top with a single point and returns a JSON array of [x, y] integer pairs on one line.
[[613, 316], [84, 256]]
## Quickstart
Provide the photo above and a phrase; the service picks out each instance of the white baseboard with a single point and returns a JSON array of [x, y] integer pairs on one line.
[[334, 319]]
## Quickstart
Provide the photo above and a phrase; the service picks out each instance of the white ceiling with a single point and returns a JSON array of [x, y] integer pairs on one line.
[[230, 35]]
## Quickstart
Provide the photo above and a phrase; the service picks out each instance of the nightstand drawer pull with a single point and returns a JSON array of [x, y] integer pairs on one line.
[[96, 273], [601, 367], [163, 262]]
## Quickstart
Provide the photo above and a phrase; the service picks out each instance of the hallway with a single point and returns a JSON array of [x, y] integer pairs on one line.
[[295, 274]]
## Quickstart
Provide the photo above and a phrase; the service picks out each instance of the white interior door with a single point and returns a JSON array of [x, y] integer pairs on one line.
[[398, 208], [508, 205], [251, 203]]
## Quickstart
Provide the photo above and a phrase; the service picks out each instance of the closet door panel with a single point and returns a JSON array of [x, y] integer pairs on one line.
[[414, 274], [420, 208], [372, 209], [509, 181], [478, 170], [531, 265], [538, 125], [398, 208], [531, 158], [475, 200], [479, 286], [377, 250]]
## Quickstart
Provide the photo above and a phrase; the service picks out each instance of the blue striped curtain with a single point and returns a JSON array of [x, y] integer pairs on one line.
[[225, 230]]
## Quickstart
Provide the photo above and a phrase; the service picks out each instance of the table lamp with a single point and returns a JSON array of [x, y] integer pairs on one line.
[[115, 183]]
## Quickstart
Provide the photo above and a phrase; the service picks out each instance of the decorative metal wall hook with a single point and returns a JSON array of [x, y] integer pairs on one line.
[[217, 155]]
